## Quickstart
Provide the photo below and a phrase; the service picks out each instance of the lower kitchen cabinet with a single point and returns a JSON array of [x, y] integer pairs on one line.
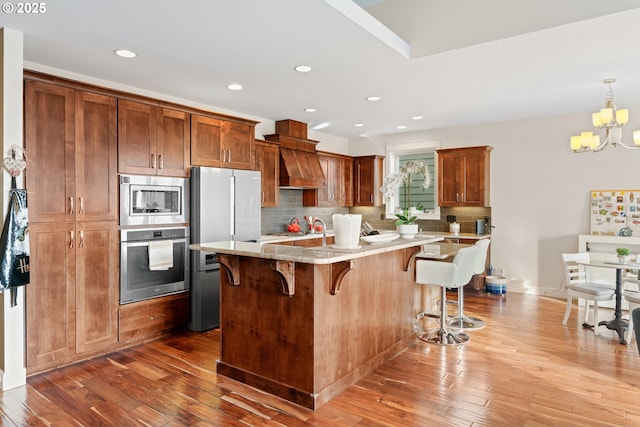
[[72, 300], [154, 317]]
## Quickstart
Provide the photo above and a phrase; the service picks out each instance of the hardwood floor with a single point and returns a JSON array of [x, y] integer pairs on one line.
[[523, 369]]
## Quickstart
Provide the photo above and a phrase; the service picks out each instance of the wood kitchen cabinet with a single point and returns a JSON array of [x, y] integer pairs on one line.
[[221, 143], [152, 140], [72, 300], [71, 180], [367, 180], [338, 190], [268, 163], [152, 318], [463, 176], [72, 136]]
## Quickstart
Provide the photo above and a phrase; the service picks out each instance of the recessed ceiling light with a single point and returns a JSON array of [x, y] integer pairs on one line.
[[373, 98], [234, 86], [310, 110], [123, 53], [417, 118], [359, 125], [401, 127], [302, 68]]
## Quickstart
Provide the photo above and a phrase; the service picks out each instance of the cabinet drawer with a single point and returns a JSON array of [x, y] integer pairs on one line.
[[151, 318]]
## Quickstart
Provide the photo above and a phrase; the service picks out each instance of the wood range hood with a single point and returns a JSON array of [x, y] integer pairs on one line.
[[299, 164]]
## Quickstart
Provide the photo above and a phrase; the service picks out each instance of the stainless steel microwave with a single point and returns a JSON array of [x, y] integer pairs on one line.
[[153, 200]]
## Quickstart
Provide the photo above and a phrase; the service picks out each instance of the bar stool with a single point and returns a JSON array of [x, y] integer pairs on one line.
[[460, 321], [446, 275]]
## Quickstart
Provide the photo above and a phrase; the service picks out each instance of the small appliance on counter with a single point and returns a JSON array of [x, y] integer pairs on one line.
[[480, 227]]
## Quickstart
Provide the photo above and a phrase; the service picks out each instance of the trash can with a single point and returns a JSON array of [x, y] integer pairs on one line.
[[496, 285]]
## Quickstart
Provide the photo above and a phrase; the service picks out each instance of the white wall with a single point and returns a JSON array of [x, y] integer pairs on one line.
[[539, 188]]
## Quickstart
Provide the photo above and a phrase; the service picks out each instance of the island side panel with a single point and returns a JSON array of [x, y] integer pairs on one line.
[[264, 332], [308, 347]]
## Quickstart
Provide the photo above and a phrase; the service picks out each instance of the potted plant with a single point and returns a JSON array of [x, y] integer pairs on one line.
[[405, 178], [406, 224], [623, 255]]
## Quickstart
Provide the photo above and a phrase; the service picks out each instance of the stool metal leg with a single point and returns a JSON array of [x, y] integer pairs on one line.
[[443, 335], [460, 321]]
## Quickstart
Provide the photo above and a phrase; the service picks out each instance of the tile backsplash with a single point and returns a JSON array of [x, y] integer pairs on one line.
[[275, 220]]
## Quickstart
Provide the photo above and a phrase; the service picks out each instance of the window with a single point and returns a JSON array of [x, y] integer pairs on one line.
[[415, 194], [396, 156]]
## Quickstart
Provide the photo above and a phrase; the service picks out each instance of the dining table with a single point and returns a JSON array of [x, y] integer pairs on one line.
[[618, 323]]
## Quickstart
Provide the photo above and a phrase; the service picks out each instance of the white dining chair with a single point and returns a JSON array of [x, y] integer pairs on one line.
[[446, 275], [633, 299], [579, 287]]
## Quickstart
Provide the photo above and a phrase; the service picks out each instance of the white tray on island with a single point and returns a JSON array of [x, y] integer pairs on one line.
[[380, 238]]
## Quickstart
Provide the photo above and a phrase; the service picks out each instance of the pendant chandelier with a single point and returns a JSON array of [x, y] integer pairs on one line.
[[611, 120]]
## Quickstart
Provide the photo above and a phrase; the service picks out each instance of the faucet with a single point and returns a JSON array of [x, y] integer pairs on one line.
[[324, 230]]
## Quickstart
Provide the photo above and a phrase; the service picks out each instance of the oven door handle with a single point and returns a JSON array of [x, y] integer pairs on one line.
[[146, 242]]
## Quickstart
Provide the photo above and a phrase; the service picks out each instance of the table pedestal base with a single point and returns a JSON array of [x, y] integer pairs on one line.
[[619, 325]]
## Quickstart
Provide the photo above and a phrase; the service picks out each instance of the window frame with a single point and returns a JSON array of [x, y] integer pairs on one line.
[[392, 154]]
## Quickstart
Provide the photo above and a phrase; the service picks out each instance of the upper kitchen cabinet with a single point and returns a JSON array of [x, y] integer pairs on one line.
[[268, 163], [463, 176], [338, 188], [152, 140], [71, 135], [221, 143], [368, 180]]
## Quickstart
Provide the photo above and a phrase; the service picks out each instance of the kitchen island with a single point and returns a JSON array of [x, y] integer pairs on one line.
[[305, 323]]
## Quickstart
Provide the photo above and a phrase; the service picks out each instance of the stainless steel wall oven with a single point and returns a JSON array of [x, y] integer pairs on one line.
[[153, 262]]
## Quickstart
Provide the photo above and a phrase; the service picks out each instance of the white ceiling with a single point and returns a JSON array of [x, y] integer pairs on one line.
[[455, 63]]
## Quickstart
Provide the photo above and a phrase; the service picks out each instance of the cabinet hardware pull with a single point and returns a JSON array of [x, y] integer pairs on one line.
[[457, 197], [229, 151], [71, 237], [161, 157], [224, 155], [81, 245], [81, 202], [70, 205], [370, 198], [153, 161]]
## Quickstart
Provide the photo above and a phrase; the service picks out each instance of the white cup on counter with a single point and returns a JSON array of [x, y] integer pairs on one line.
[[454, 228]]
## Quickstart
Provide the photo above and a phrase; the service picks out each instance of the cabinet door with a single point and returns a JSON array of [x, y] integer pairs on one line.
[[96, 157], [173, 139], [448, 179], [206, 148], [473, 179], [50, 310], [49, 141], [238, 141], [136, 138], [96, 286], [268, 163], [368, 180], [346, 188]]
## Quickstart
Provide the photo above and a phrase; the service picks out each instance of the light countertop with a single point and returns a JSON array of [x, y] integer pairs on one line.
[[312, 255]]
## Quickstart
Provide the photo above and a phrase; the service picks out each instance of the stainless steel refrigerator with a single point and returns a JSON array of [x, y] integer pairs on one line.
[[225, 205]]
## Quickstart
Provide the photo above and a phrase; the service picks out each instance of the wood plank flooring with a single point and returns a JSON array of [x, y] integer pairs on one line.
[[523, 369]]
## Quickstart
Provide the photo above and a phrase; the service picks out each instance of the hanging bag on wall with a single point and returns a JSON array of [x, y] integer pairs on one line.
[[14, 240]]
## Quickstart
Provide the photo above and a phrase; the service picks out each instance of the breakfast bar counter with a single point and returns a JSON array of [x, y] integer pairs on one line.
[[305, 323]]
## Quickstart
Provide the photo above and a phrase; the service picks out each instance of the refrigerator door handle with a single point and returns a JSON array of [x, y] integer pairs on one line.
[[232, 192]]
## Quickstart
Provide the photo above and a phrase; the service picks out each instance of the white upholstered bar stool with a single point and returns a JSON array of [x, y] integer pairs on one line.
[[460, 320], [446, 275]]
